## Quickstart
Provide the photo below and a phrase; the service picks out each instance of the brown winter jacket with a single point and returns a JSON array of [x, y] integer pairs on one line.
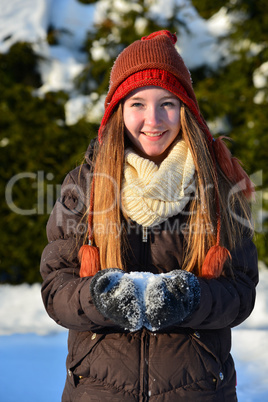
[[190, 362]]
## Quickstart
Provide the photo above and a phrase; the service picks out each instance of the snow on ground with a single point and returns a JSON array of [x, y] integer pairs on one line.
[[22, 311], [250, 348], [33, 348], [32, 367]]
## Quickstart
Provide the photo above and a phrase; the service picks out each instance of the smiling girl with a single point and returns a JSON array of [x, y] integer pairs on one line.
[[166, 266], [152, 121]]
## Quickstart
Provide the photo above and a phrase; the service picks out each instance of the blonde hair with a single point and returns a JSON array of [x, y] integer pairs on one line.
[[108, 219], [202, 208], [108, 171]]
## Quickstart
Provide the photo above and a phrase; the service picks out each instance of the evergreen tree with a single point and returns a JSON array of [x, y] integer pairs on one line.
[[37, 150]]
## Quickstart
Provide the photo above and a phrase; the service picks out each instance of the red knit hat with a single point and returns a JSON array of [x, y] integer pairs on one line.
[[153, 60]]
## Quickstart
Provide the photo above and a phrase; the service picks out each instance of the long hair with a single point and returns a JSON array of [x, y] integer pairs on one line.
[[107, 214], [108, 227], [202, 221]]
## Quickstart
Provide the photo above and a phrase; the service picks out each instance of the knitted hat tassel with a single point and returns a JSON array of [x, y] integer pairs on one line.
[[217, 255], [215, 259], [88, 254]]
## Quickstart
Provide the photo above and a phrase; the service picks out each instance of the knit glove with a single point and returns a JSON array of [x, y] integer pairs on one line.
[[116, 297], [170, 298]]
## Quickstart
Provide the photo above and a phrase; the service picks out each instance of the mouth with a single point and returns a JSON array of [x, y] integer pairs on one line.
[[159, 134]]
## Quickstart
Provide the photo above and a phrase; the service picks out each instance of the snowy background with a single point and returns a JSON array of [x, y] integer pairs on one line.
[[32, 347], [71, 20]]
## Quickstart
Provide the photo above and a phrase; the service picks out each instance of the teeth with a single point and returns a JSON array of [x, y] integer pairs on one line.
[[153, 134]]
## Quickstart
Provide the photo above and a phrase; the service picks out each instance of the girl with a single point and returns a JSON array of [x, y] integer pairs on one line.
[[150, 260]]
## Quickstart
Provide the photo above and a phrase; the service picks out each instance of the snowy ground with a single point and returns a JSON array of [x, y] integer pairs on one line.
[[33, 348]]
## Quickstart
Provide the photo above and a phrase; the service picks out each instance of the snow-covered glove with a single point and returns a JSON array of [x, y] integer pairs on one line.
[[170, 298], [117, 297]]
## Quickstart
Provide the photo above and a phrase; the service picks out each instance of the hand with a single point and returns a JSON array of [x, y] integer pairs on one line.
[[117, 298], [170, 298]]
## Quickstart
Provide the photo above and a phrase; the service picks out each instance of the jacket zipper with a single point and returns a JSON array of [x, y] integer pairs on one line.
[[144, 364], [145, 234], [145, 344]]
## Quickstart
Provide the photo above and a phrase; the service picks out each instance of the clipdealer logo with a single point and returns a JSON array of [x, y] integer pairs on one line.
[[45, 193]]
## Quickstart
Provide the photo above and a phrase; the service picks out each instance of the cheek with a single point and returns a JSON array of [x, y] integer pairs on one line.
[[131, 119], [175, 120]]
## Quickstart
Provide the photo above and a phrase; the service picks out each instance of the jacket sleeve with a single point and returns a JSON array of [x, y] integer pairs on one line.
[[228, 300], [66, 296]]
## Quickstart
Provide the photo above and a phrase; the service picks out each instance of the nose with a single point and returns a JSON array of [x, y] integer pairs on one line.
[[152, 116]]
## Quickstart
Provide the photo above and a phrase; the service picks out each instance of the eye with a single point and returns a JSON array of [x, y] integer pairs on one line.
[[168, 104], [136, 104]]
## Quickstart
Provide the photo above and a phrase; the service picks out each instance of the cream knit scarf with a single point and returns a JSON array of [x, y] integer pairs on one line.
[[151, 194]]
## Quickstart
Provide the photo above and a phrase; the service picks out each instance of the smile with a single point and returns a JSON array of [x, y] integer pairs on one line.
[[153, 134]]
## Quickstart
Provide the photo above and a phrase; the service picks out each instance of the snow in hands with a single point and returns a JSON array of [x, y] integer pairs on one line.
[[142, 299], [117, 298]]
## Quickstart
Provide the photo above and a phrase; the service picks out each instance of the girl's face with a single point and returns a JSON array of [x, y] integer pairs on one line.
[[152, 121]]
